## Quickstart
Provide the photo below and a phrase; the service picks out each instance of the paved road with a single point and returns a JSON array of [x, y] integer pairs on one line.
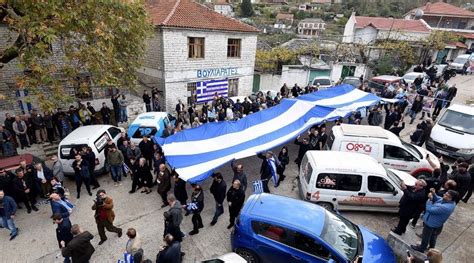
[[37, 241]]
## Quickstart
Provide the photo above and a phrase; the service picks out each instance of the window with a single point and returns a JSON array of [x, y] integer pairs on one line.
[[82, 89], [114, 132], [349, 182], [66, 150], [195, 47], [290, 238], [342, 182], [144, 131], [396, 153], [192, 93], [276, 233], [309, 245], [101, 142], [326, 181], [233, 48], [307, 169], [233, 87], [379, 184]]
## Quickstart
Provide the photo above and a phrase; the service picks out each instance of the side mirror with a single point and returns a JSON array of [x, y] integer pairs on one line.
[[395, 192]]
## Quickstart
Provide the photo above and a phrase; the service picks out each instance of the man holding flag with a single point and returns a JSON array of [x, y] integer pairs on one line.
[[268, 170]]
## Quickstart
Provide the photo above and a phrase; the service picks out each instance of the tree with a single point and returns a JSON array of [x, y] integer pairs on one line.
[[437, 40], [272, 61], [246, 9], [401, 52], [99, 39]]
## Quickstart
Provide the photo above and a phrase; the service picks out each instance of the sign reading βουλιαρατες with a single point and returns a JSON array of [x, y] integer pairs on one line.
[[216, 72]]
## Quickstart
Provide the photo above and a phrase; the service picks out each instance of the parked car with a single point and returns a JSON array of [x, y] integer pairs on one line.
[[94, 136], [323, 82], [273, 228], [453, 134], [227, 258], [384, 146], [10, 164], [440, 69], [461, 63], [148, 124], [410, 77], [353, 81], [350, 181], [378, 83]]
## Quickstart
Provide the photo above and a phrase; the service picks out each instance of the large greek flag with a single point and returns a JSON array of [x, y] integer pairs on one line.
[[205, 90], [196, 152]]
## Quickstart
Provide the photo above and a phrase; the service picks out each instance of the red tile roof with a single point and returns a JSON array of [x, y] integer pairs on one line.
[[189, 14], [441, 8], [394, 24], [458, 44], [468, 36]]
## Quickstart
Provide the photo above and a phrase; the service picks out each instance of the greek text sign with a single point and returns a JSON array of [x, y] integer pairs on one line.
[[216, 72]]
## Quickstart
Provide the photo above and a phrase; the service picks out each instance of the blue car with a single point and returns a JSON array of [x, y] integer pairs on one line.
[[274, 229]]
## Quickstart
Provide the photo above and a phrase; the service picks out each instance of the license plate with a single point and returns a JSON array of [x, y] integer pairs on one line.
[[442, 152]]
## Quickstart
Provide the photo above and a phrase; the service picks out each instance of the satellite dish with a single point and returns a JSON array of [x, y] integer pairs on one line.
[[418, 14]]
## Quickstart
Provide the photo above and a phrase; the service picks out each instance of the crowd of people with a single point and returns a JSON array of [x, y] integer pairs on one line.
[[23, 130], [145, 163]]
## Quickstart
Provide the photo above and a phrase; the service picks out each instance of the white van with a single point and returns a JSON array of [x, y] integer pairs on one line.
[[453, 134], [461, 63], [94, 136], [384, 146], [149, 124], [350, 181]]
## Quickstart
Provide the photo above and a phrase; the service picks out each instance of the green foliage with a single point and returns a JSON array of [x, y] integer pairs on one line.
[[246, 9], [401, 53], [61, 40], [383, 66], [273, 60]]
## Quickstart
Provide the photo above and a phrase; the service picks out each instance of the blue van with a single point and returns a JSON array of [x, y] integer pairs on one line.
[[274, 228]]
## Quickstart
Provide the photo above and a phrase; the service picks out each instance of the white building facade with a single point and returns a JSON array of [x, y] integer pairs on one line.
[[181, 59]]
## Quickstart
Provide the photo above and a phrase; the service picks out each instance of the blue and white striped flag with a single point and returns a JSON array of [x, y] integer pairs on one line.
[[126, 169], [127, 258], [205, 90], [191, 207], [195, 153], [257, 187]]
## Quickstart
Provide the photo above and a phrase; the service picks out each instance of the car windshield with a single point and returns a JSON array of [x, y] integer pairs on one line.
[[412, 150], [353, 82], [460, 60], [394, 177], [341, 234], [458, 121], [410, 76], [322, 82]]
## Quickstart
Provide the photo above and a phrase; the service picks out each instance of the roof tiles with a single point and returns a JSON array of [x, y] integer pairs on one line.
[[392, 23], [441, 8], [189, 14]]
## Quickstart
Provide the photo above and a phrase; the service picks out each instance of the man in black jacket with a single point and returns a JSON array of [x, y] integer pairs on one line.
[[218, 190], [304, 147], [63, 231], [196, 206], [239, 174], [413, 198], [236, 199], [79, 248], [23, 189]]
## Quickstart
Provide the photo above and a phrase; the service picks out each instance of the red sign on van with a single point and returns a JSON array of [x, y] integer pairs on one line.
[[358, 147]]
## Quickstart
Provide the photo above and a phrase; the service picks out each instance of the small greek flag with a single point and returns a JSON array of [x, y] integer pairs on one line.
[[192, 207], [125, 168], [127, 258], [257, 187]]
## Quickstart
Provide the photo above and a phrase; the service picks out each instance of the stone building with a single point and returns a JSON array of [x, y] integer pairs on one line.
[[193, 47]]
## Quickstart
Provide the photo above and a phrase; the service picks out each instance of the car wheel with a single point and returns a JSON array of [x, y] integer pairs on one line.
[[422, 175], [325, 205], [248, 255]]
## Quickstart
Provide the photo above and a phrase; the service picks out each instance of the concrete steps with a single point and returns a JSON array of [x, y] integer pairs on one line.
[[42, 151]]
